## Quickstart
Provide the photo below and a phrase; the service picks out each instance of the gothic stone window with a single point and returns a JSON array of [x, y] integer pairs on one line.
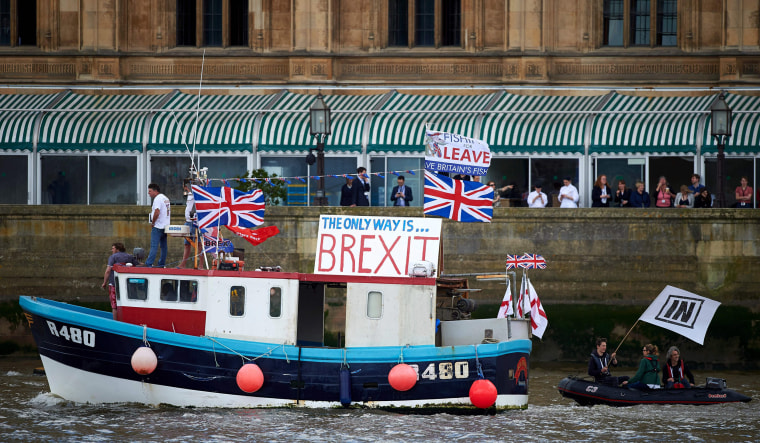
[[18, 23], [220, 23], [650, 23], [424, 23]]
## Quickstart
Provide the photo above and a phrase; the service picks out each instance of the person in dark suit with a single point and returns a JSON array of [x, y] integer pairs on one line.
[[623, 195], [360, 188], [401, 194], [345, 193]]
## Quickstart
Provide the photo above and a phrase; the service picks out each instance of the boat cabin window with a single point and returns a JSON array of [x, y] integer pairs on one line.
[[237, 301], [137, 289], [184, 290], [374, 304], [275, 302]]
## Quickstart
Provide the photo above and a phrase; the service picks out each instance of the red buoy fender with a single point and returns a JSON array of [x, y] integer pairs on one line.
[[402, 377], [250, 378], [483, 393], [144, 360]]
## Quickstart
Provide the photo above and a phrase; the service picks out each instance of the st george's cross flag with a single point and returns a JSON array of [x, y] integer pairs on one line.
[[523, 299], [228, 207], [531, 261], [681, 311], [458, 200], [538, 319], [505, 309]]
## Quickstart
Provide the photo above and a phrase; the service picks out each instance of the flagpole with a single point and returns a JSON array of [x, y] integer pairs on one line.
[[626, 336]]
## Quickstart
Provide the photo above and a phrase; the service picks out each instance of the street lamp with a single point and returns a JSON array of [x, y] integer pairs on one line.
[[721, 129], [319, 115]]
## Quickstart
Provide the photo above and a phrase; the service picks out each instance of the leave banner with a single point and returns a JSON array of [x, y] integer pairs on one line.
[[456, 154], [376, 246]]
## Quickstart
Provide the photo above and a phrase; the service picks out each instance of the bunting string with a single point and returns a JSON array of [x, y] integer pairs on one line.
[[302, 178]]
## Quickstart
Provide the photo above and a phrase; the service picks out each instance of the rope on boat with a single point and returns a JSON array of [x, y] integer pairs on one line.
[[401, 355], [477, 363], [345, 362], [145, 335], [268, 352]]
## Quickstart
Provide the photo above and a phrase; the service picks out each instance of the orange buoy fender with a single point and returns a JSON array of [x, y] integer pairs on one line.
[[250, 378], [144, 360], [483, 393], [402, 377]]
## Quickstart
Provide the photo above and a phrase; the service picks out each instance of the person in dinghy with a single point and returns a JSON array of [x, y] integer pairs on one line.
[[675, 373], [599, 365], [647, 377]]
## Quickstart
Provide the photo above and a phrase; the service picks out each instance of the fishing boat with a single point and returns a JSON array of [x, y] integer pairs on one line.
[[589, 393], [231, 337]]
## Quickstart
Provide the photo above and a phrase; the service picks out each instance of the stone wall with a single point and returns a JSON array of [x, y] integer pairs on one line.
[[614, 256]]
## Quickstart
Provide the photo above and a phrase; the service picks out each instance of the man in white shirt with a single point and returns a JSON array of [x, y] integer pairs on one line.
[[568, 194], [537, 199], [159, 220]]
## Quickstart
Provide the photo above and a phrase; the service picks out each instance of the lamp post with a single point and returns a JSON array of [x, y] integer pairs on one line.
[[720, 128], [319, 114]]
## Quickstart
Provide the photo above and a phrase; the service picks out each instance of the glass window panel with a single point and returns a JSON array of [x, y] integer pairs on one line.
[[677, 171], [275, 302], [137, 289], [5, 22], [640, 22], [424, 23], [551, 171], [113, 180], [452, 22], [224, 167], [186, 23], [415, 181], [629, 170], [14, 179], [168, 173], [237, 301], [378, 183], [398, 23], [188, 291], [667, 22], [238, 22], [290, 167], [26, 11], [733, 170], [613, 23], [374, 304], [212, 22], [514, 172], [335, 166], [64, 179], [168, 290]]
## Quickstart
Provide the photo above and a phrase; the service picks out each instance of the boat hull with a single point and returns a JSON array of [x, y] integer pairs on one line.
[[588, 393], [87, 358]]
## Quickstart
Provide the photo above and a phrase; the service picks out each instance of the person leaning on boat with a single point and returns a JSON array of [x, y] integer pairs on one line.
[[675, 373], [647, 377], [600, 362], [118, 256]]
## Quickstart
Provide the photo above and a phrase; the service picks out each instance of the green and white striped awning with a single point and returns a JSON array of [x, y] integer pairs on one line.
[[745, 127], [530, 132], [217, 131], [289, 131], [649, 133], [96, 131], [405, 132], [17, 127]]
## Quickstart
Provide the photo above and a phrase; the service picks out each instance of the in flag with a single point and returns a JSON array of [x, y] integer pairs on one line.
[[681, 311], [460, 200], [538, 319], [228, 207], [532, 261], [505, 309], [255, 236]]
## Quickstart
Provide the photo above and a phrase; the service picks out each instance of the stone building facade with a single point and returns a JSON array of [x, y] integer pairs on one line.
[[465, 42]]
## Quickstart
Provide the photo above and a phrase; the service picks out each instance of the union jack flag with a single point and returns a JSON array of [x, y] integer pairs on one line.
[[514, 261], [532, 261], [228, 207], [458, 200]]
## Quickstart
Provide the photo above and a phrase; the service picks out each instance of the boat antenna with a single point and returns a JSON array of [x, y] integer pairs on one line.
[[197, 112]]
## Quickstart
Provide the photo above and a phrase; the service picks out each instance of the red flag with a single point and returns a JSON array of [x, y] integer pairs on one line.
[[255, 236]]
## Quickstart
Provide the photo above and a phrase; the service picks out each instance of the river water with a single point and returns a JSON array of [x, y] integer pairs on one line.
[[28, 412]]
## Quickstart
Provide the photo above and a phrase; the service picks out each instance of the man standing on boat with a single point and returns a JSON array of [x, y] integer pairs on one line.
[[599, 365], [159, 220], [118, 257]]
